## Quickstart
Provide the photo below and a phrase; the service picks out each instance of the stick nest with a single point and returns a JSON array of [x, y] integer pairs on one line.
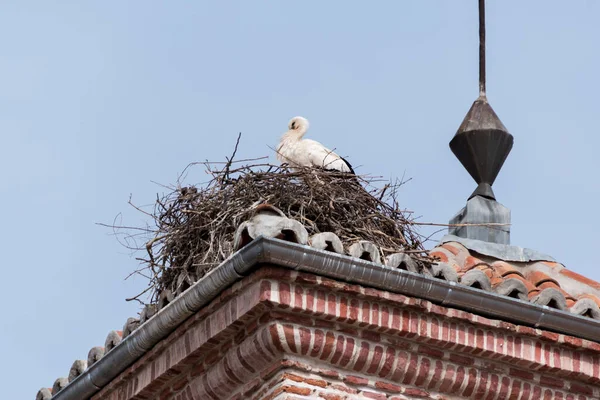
[[194, 226]]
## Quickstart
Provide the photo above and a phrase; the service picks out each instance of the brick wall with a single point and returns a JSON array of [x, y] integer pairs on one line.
[[280, 334]]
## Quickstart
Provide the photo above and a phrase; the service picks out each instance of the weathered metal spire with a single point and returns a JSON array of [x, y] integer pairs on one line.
[[482, 49], [482, 144]]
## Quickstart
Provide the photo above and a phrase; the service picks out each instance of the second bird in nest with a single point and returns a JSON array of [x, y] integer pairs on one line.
[[296, 151]]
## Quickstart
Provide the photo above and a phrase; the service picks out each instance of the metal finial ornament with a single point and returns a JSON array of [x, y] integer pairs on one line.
[[482, 142]]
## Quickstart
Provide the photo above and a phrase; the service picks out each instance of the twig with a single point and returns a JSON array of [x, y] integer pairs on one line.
[[230, 159], [489, 224], [137, 297]]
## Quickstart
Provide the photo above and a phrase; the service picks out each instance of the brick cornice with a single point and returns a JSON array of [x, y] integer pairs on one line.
[[378, 365], [209, 346]]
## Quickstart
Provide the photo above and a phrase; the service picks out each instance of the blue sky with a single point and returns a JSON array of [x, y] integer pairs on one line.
[[98, 99]]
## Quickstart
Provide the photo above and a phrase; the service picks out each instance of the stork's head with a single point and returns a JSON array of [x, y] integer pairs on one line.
[[298, 124]]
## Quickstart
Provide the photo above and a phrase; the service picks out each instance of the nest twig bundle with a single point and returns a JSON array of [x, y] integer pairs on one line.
[[194, 227]]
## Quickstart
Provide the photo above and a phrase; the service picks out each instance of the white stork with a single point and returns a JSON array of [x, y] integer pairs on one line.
[[300, 152]]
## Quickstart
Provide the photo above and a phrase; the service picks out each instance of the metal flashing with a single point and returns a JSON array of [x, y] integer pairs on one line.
[[500, 251]]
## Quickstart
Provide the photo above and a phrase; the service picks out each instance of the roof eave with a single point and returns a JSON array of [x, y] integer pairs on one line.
[[331, 265]]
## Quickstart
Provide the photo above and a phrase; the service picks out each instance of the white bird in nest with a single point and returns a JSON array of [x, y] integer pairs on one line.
[[296, 151]]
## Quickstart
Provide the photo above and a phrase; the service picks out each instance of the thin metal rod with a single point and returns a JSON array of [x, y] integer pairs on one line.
[[482, 48]]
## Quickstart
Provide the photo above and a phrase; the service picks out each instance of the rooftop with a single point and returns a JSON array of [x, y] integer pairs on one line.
[[534, 278], [506, 283]]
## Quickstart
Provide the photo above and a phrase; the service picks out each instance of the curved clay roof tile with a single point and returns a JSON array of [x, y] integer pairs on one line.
[[503, 268], [538, 277]]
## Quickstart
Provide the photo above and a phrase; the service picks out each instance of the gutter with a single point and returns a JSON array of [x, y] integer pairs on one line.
[[331, 265]]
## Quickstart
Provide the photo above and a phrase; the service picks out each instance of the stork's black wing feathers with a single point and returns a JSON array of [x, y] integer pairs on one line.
[[349, 166]]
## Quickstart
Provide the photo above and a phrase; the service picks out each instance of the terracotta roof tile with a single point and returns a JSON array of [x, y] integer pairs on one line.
[[496, 279], [476, 278], [548, 284], [580, 278], [489, 271], [512, 287], [471, 262], [596, 299], [454, 248], [552, 264], [530, 286], [538, 277], [540, 281], [439, 254], [503, 268], [550, 297], [586, 307], [553, 285]]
